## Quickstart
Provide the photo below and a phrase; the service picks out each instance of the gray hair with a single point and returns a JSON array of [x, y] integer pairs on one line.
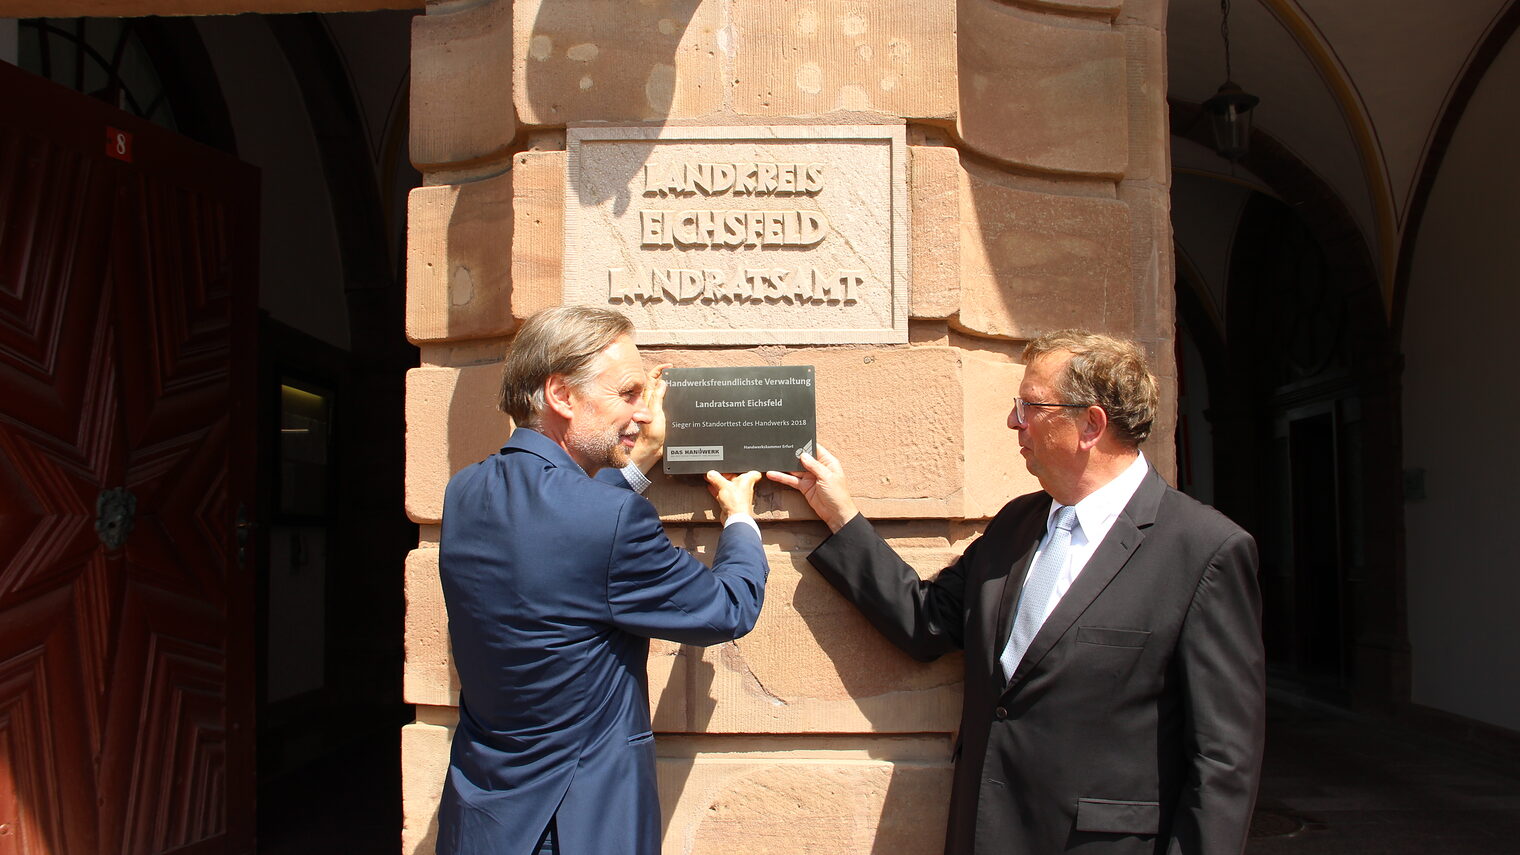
[[1104, 371], [564, 340]]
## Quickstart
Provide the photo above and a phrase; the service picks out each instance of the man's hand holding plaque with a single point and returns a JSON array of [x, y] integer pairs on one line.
[[821, 482], [734, 495]]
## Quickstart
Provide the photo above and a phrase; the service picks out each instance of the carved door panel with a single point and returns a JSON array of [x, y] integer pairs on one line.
[[125, 673]]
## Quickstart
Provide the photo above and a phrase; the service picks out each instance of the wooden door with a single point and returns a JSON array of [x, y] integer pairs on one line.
[[127, 301]]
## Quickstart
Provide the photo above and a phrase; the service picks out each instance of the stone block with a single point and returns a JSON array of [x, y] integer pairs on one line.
[[894, 57], [1151, 260], [1040, 94], [934, 193], [822, 795], [886, 412], [996, 471], [1150, 130], [451, 422], [428, 676], [669, 685], [616, 61], [813, 664], [461, 100], [484, 255], [779, 803], [458, 261], [538, 231], [1161, 448], [1032, 262], [1089, 7], [449, 354], [424, 763], [1144, 13], [888, 415]]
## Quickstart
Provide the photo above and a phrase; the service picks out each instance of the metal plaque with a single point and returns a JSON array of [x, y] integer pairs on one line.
[[738, 419]]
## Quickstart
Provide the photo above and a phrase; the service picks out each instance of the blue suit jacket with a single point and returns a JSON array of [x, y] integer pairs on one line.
[[554, 583]]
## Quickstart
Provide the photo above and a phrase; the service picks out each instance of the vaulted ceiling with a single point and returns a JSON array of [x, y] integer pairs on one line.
[[1362, 92]]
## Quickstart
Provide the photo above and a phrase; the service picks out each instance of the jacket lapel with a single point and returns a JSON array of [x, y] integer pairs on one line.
[[1107, 560], [1022, 543]]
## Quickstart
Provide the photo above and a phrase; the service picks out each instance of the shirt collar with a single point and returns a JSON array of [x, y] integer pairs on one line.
[[1097, 512]]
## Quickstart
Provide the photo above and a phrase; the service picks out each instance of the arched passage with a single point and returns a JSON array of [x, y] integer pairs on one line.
[[1300, 377]]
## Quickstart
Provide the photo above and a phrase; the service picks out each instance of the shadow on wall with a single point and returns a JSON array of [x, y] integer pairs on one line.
[[812, 659], [883, 680], [1042, 261], [800, 798], [607, 61], [691, 678]]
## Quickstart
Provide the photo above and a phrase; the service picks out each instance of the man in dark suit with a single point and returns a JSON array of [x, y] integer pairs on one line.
[[556, 574], [1114, 685]]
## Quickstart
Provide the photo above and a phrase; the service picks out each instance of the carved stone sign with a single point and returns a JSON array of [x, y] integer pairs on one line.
[[741, 235]]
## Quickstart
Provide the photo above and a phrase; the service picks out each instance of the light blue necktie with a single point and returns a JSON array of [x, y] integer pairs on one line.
[[1037, 588]]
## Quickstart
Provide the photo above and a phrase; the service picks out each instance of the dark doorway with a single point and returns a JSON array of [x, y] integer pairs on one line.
[[1300, 385], [1315, 647], [323, 530]]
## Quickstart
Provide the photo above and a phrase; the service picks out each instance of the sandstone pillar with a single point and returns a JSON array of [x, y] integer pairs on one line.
[[1037, 176]]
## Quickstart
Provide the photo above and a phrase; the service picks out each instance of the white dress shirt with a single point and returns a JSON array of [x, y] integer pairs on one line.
[[1095, 516]]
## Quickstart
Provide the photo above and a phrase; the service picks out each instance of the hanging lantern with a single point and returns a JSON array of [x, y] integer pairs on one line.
[[1230, 118], [1230, 108]]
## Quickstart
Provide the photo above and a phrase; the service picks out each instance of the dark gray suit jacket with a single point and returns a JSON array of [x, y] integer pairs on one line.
[[1135, 721]]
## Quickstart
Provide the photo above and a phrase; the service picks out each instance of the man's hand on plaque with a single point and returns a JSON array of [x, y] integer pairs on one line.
[[735, 495], [651, 442], [822, 483]]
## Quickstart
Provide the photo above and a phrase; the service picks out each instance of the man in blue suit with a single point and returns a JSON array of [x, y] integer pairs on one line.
[[556, 573]]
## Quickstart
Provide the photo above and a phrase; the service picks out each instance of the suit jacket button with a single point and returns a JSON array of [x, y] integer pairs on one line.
[[1001, 713]]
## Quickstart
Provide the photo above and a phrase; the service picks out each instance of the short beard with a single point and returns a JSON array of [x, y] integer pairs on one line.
[[600, 448]]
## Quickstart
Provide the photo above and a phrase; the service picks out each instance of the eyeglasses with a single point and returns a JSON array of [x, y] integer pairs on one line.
[[1020, 407]]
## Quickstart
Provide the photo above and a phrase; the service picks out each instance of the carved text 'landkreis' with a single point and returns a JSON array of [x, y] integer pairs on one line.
[[705, 228], [766, 234]]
